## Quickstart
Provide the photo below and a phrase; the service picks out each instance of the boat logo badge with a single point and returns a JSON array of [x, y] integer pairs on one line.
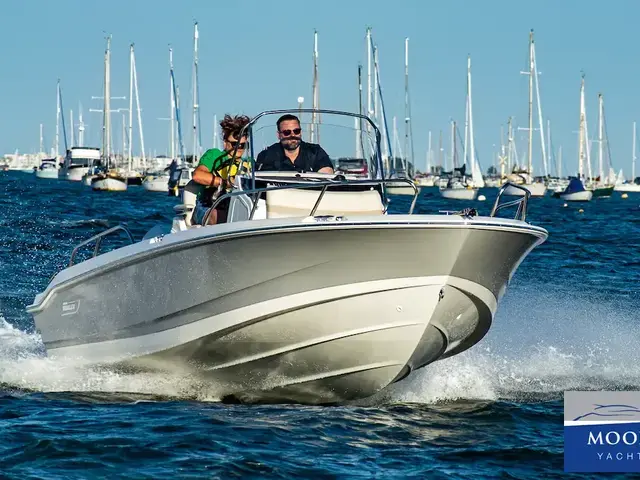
[[70, 308]]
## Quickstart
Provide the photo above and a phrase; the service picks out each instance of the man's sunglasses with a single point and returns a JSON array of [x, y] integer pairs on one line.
[[287, 132], [240, 145]]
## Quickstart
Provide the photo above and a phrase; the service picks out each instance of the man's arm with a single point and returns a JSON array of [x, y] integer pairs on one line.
[[322, 163]]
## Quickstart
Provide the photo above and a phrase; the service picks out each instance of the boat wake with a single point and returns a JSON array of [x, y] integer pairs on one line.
[[538, 347]]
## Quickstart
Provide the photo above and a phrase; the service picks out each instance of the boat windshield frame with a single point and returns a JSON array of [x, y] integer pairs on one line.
[[247, 131]]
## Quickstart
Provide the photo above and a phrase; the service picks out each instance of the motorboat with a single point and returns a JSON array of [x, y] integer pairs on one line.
[[78, 162], [156, 182], [458, 185], [48, 169], [311, 292]]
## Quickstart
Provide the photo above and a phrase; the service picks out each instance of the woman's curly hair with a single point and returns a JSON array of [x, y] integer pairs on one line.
[[233, 125]]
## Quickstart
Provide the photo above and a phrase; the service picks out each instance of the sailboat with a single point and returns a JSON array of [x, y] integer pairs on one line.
[[403, 172], [601, 186], [576, 191], [524, 177], [634, 184], [460, 187], [111, 179]]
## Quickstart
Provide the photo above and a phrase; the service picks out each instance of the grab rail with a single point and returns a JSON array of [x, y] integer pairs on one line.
[[325, 184], [98, 239], [520, 202]]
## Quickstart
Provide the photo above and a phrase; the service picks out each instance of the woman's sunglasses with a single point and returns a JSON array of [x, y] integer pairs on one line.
[[287, 132], [235, 143]]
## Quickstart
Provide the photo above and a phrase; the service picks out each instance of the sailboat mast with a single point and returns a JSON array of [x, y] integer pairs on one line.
[[531, 67], [600, 137], [633, 156], [428, 169], [376, 83], [581, 136], [196, 149], [545, 151], [42, 140], [129, 153], [360, 133], [548, 144], [471, 136], [369, 86], [138, 110], [73, 137], [406, 107], [57, 144], [107, 102], [172, 106], [315, 134], [453, 145], [80, 127]]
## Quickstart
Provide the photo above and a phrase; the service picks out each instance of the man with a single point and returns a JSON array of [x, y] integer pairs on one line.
[[216, 171], [291, 153]]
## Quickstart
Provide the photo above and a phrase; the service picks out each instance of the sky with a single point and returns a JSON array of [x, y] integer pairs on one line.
[[257, 55]]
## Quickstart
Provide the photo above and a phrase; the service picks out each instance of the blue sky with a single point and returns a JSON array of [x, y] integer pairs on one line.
[[256, 55]]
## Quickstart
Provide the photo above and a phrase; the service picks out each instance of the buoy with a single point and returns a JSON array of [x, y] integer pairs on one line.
[[481, 198], [624, 195], [565, 205], [581, 211]]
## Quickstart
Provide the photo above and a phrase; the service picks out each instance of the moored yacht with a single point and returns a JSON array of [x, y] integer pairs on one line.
[[77, 163]]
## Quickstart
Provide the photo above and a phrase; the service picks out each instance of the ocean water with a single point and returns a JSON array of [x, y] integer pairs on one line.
[[568, 321]]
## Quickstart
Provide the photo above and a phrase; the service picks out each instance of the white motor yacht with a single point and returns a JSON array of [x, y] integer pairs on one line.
[[311, 292]]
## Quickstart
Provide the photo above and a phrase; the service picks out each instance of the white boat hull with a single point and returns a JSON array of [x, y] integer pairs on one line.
[[459, 193], [156, 184], [401, 189], [627, 187], [76, 174], [536, 190], [47, 173], [584, 196], [86, 180], [109, 184], [297, 329]]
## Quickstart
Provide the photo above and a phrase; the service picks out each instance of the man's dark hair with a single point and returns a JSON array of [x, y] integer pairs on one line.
[[286, 117]]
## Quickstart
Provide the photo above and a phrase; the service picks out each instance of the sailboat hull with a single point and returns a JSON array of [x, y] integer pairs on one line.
[[603, 192], [459, 193], [627, 187], [401, 189], [536, 190], [110, 184], [583, 196]]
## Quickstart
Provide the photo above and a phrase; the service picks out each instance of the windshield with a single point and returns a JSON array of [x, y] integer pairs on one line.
[[351, 142]]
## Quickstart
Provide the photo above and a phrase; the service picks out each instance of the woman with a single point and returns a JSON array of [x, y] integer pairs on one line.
[[216, 170]]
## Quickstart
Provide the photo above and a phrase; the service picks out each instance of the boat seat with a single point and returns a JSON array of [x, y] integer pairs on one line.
[[299, 203]]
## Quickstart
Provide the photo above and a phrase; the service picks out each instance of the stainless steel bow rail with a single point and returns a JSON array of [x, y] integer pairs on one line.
[[325, 184], [521, 202], [98, 239]]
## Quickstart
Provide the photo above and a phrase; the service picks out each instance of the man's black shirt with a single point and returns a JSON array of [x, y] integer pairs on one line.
[[311, 158]]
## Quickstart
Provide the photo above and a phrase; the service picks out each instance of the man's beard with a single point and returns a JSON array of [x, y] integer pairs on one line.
[[291, 143]]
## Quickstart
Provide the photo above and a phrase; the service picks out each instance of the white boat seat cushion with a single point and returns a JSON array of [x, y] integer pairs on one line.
[[299, 203]]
